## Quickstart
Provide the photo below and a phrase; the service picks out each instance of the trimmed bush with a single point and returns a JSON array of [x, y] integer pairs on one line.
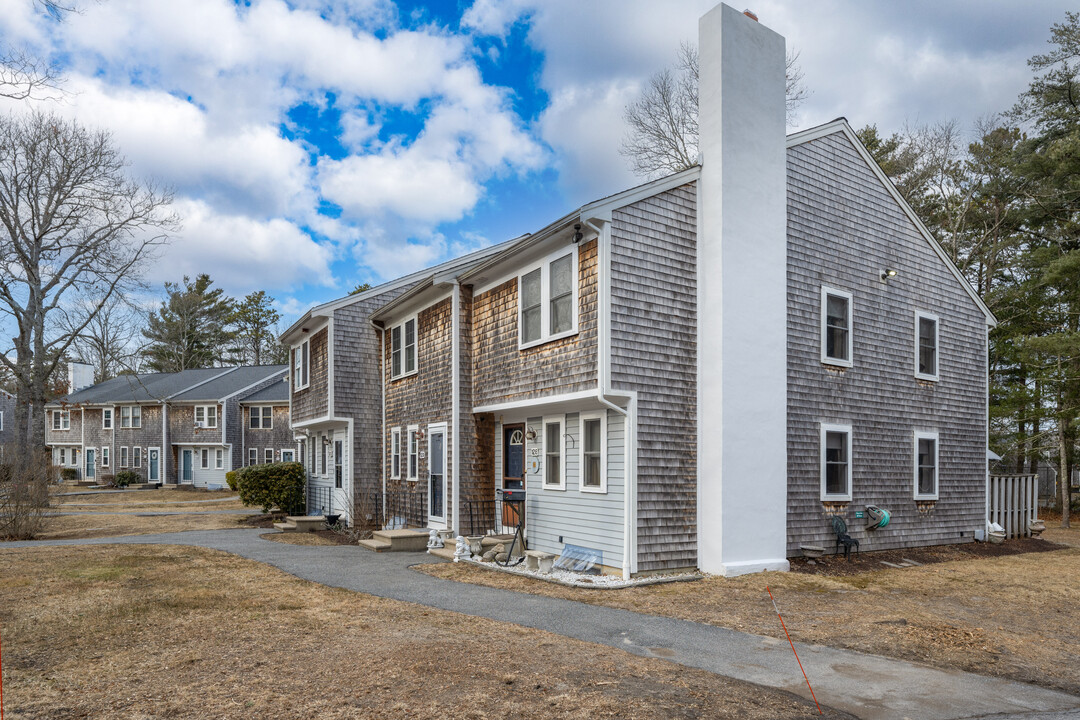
[[69, 474], [231, 477], [271, 485], [126, 477]]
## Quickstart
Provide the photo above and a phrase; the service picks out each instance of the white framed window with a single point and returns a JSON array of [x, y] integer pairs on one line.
[[219, 459], [593, 458], [106, 418], [395, 453], [301, 358], [61, 420], [314, 444], [104, 457], [123, 456], [926, 465], [414, 451], [302, 459], [63, 456], [553, 443], [204, 458], [836, 330], [548, 300], [1, 420], [261, 417], [288, 455], [136, 457], [268, 455], [324, 442], [131, 417], [253, 456], [835, 462], [403, 348], [926, 346], [206, 416]]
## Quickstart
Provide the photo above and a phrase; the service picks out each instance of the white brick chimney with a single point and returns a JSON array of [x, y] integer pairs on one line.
[[742, 305]]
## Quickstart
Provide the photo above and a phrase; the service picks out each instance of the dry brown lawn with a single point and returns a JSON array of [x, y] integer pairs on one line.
[[177, 632], [1010, 616]]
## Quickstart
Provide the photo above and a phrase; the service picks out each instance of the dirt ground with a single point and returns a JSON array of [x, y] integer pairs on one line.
[[130, 513], [969, 607], [175, 632]]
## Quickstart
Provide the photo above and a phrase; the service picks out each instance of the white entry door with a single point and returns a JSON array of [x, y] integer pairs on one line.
[[337, 469], [437, 476]]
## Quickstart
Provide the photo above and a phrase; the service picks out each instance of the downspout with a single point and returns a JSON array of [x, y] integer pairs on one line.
[[82, 441], [455, 394], [166, 449], [382, 423], [986, 493], [603, 371]]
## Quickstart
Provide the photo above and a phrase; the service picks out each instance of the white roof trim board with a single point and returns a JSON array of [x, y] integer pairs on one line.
[[840, 125]]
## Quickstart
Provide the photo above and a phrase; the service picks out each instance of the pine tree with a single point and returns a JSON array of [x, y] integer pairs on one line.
[[253, 320], [190, 329]]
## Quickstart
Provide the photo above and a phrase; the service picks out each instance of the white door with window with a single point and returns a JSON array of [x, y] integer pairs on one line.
[[337, 470], [436, 489]]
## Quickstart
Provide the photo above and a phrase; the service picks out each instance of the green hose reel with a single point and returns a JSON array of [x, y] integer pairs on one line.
[[876, 517]]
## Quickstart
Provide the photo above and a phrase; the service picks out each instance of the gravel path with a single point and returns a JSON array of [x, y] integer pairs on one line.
[[868, 686]]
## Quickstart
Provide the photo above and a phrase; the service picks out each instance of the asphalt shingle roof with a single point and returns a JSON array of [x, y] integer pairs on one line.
[[156, 387], [277, 392], [236, 380]]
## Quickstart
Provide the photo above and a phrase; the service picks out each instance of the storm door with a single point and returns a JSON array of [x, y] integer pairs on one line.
[[153, 459], [437, 476], [90, 467], [186, 457]]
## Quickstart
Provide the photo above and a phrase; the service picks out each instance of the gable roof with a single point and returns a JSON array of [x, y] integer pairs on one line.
[[275, 392], [187, 385], [840, 125], [235, 381]]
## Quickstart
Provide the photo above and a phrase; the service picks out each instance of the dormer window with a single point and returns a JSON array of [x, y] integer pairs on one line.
[[548, 300]]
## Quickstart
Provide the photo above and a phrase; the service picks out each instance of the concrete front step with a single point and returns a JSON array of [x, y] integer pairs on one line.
[[376, 545], [403, 540], [446, 553]]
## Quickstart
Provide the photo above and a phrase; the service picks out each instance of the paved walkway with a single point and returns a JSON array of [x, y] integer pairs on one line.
[[867, 686]]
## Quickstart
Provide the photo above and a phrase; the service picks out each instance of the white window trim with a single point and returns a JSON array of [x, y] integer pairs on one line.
[[920, 435], [416, 347], [112, 418], [919, 315], [136, 457], [131, 417], [65, 420], [206, 416], [219, 459], [544, 266], [836, 497], [204, 459], [395, 442], [410, 434], [123, 456], [602, 417], [104, 456], [253, 454], [825, 359], [548, 419], [300, 360]]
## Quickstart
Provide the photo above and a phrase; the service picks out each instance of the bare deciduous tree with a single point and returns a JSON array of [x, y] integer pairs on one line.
[[662, 124], [73, 226], [111, 341], [25, 75]]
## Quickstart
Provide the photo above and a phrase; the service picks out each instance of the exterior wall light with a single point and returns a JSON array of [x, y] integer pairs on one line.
[[886, 274]]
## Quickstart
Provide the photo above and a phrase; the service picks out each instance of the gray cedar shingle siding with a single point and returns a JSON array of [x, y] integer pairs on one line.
[[843, 229], [654, 351], [358, 386], [502, 372], [312, 401], [279, 436]]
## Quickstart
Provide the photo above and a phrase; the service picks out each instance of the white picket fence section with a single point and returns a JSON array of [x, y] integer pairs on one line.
[[1014, 502]]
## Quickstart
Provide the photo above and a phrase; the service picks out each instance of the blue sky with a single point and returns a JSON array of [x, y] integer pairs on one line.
[[315, 145]]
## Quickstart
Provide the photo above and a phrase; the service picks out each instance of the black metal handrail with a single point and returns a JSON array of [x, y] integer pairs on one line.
[[404, 509], [320, 501], [490, 517]]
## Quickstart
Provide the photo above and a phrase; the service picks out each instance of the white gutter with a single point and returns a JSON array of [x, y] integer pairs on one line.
[[382, 424], [455, 390], [603, 390]]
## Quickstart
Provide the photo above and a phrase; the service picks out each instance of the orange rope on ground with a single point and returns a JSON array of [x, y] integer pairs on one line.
[[792, 650]]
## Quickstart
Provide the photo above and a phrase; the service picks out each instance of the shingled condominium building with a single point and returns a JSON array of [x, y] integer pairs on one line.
[[698, 372], [188, 427]]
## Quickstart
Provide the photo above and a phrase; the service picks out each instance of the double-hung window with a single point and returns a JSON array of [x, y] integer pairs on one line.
[[136, 457], [836, 333], [104, 457], [403, 348], [300, 359], [926, 465], [322, 455], [593, 460], [63, 456], [262, 417], [548, 301], [926, 346], [553, 450], [835, 462], [106, 419], [206, 416], [303, 453], [395, 453], [123, 456], [268, 455], [61, 420], [253, 456], [204, 458], [414, 448], [219, 459], [131, 417]]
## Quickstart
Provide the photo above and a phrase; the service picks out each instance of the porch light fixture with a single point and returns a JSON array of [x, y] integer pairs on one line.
[[530, 435], [886, 274], [578, 235]]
